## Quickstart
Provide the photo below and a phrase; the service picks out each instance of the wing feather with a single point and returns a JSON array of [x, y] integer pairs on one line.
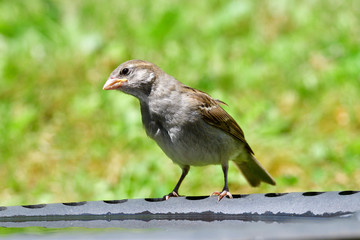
[[216, 116]]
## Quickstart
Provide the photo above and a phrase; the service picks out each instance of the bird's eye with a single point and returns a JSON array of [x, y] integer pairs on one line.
[[125, 71]]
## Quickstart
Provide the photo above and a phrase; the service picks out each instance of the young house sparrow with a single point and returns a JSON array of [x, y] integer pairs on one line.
[[189, 125]]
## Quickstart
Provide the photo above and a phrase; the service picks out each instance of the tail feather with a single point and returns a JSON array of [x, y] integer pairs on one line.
[[253, 171]]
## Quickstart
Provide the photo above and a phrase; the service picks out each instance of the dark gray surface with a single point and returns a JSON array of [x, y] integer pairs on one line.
[[331, 229], [262, 216]]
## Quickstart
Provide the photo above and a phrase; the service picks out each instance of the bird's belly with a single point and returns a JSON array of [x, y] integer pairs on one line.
[[198, 145]]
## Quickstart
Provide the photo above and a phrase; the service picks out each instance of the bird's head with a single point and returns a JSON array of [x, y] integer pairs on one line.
[[135, 77]]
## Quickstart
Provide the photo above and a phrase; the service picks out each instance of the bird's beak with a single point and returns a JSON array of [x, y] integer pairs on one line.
[[113, 83]]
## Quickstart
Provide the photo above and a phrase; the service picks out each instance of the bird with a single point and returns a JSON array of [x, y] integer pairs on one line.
[[189, 125]]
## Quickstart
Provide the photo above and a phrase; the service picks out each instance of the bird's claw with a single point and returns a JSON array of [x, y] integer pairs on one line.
[[222, 194], [172, 194]]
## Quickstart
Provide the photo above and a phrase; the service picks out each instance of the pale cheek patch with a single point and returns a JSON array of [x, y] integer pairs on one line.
[[148, 77], [141, 74]]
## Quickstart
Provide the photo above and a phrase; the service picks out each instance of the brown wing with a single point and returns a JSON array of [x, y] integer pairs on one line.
[[216, 116]]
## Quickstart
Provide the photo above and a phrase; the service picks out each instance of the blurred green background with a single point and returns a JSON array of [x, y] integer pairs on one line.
[[289, 71]]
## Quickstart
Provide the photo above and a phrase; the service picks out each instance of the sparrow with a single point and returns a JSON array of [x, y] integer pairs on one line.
[[189, 125]]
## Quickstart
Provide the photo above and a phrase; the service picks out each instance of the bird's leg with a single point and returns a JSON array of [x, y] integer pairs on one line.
[[174, 192], [225, 191]]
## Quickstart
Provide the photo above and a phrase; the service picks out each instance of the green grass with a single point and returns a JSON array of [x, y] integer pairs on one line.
[[289, 71]]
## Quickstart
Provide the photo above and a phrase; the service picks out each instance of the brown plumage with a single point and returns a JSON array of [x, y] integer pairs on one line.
[[189, 125]]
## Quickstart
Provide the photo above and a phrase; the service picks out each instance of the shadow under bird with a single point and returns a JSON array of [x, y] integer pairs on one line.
[[189, 125]]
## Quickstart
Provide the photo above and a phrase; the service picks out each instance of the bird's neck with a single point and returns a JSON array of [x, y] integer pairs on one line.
[[145, 111], [149, 122], [157, 104]]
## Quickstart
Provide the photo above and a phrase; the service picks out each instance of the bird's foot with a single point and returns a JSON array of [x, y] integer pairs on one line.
[[222, 194], [172, 194]]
